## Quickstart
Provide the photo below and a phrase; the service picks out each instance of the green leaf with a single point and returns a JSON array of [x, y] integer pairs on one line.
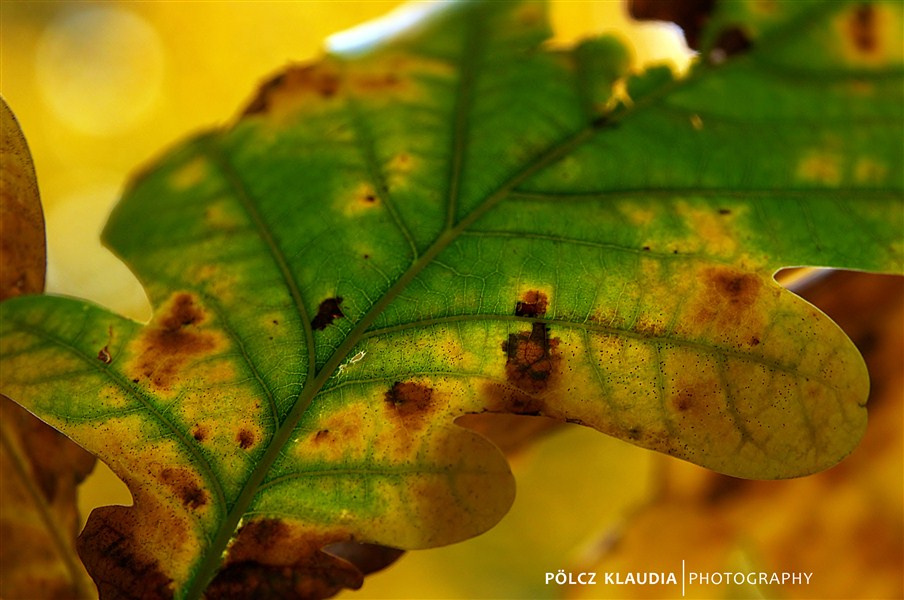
[[463, 221]]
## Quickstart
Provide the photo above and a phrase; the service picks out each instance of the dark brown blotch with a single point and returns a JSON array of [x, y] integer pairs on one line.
[[532, 304], [245, 438], [322, 435], [410, 401], [531, 359], [862, 26], [199, 433], [683, 400], [310, 79], [182, 312], [327, 312], [185, 486], [740, 289]]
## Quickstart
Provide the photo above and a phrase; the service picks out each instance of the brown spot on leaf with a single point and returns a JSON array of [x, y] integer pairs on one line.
[[683, 400], [728, 305], [270, 559], [724, 211], [163, 349], [862, 28], [754, 341], [182, 312], [185, 486], [245, 438], [114, 557], [532, 304], [327, 312], [740, 289], [296, 82], [410, 402], [199, 433], [321, 435], [531, 360]]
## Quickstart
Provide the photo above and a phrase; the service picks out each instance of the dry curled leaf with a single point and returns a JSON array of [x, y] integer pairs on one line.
[[39, 467]]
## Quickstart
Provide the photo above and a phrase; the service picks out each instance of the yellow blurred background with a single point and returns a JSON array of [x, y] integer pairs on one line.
[[101, 88]]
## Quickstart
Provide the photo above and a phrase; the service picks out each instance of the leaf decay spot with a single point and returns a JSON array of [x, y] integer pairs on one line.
[[200, 433], [531, 359], [245, 438], [740, 289], [327, 312], [683, 401], [532, 304], [862, 29], [163, 350], [268, 559], [409, 401], [296, 81], [184, 485]]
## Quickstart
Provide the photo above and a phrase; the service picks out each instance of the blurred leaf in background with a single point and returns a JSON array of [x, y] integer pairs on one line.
[[39, 467]]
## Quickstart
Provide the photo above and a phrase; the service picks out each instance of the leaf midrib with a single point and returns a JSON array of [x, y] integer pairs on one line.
[[211, 562]]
